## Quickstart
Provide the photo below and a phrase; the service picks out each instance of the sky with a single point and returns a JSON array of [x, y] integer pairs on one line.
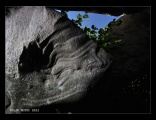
[[99, 20]]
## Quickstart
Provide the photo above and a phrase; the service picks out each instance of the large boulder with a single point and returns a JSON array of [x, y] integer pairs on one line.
[[49, 60], [131, 64], [131, 56]]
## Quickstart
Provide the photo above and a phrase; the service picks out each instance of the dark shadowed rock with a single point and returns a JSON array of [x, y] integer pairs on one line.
[[132, 55], [131, 64], [114, 11]]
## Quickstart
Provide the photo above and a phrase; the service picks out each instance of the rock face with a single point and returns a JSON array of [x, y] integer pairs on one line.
[[127, 87], [131, 63], [114, 11], [132, 55], [49, 60]]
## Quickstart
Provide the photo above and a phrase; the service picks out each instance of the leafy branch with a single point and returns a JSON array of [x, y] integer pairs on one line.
[[101, 36]]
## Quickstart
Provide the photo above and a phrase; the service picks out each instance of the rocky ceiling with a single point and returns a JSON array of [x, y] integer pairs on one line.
[[113, 10]]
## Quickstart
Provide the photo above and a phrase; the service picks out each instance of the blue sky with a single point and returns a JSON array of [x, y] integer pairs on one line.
[[99, 20]]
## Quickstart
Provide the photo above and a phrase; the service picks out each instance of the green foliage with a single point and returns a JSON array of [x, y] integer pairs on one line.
[[101, 36], [115, 23], [105, 44], [79, 16], [118, 22], [117, 41], [86, 16]]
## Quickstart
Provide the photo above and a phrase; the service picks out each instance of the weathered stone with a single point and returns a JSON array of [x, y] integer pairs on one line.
[[131, 57], [49, 60], [131, 61], [114, 11]]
